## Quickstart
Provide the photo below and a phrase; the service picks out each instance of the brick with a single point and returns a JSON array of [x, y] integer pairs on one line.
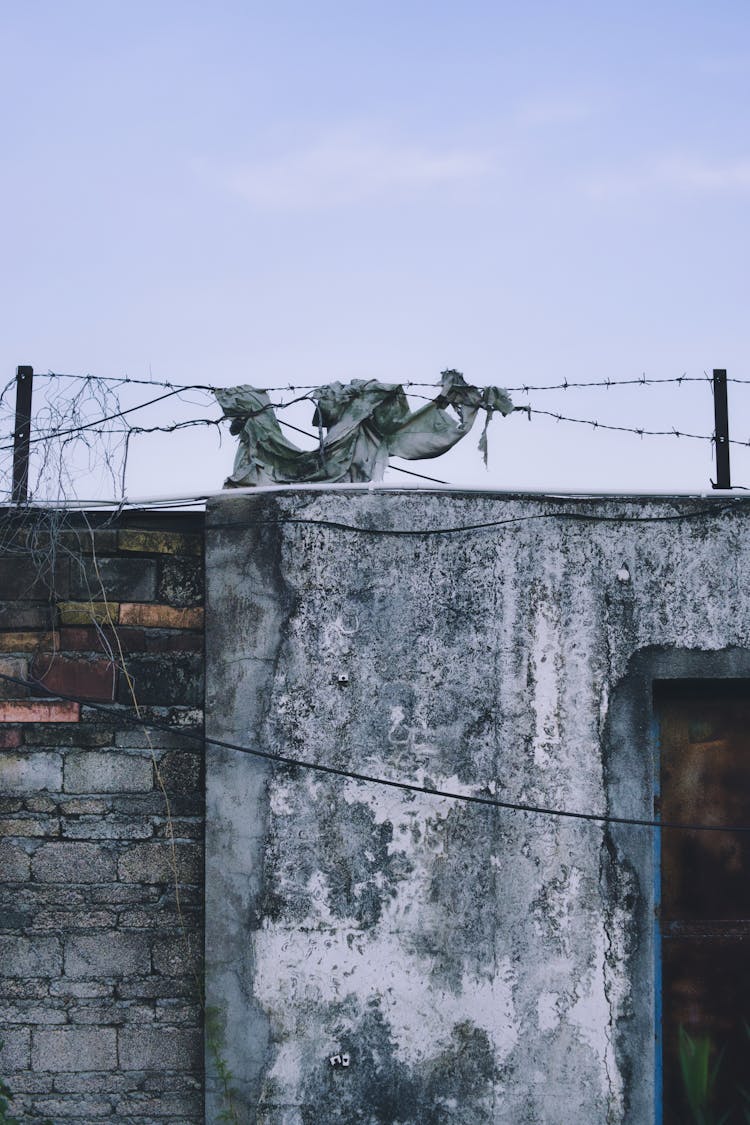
[[87, 613], [161, 542], [160, 640], [155, 988], [153, 863], [90, 678], [180, 582], [123, 579], [28, 827], [178, 680], [107, 955], [185, 718], [74, 1049], [41, 804], [177, 1107], [14, 989], [63, 921], [15, 864], [84, 806], [39, 711], [82, 734], [25, 615], [109, 772], [160, 616], [17, 667], [80, 989], [10, 738], [30, 956], [22, 578], [73, 863], [136, 738], [15, 1049], [20, 773], [109, 828], [49, 1013], [27, 642], [82, 638], [180, 771], [73, 1108], [159, 1048]]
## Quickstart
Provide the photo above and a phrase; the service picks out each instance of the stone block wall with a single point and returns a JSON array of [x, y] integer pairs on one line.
[[101, 819]]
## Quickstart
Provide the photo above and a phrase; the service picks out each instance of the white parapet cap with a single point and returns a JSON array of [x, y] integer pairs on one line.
[[198, 498]]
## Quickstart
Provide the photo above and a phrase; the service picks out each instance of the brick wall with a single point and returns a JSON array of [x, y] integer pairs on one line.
[[99, 966]]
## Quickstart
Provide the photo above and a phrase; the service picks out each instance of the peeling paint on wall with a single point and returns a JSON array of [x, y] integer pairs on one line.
[[475, 965]]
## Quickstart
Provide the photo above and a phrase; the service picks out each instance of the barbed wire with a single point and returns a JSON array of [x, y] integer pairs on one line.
[[522, 388]]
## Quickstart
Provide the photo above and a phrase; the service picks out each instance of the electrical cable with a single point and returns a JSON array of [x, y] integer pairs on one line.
[[374, 779], [580, 517]]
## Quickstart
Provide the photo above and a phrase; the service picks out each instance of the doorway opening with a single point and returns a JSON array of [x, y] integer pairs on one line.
[[703, 900]]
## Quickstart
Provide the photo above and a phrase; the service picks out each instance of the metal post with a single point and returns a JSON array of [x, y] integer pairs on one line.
[[721, 429], [22, 434]]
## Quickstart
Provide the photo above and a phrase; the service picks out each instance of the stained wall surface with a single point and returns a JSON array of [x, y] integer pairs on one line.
[[475, 964]]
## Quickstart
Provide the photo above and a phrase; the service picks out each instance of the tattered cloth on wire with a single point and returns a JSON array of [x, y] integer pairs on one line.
[[366, 424]]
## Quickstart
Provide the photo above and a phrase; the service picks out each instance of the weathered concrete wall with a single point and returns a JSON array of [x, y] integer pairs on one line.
[[477, 965], [101, 821]]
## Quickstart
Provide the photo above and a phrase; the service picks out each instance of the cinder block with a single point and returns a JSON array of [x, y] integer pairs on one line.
[[74, 1049], [123, 579], [15, 865], [88, 613], [160, 616], [39, 711], [15, 1049], [73, 863], [94, 772], [154, 863], [174, 958], [30, 956], [161, 542], [180, 771], [161, 1048], [107, 955], [21, 773]]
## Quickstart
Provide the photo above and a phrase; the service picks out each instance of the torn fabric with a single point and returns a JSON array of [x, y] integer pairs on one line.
[[366, 424]]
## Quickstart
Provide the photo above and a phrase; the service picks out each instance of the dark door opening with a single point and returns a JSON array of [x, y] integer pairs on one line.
[[704, 916]]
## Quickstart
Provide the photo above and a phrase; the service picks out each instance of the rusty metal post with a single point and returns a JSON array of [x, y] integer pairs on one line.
[[22, 434], [721, 429]]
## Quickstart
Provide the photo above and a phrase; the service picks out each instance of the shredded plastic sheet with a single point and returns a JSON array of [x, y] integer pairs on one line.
[[365, 423]]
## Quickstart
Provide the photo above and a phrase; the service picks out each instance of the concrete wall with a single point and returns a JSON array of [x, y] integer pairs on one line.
[[477, 965], [101, 822]]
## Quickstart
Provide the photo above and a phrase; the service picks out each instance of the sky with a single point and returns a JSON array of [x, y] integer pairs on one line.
[[295, 193]]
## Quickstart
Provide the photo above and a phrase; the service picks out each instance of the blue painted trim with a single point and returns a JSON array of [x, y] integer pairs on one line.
[[658, 1002]]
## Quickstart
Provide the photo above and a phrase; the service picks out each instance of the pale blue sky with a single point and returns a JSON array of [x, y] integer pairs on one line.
[[296, 192]]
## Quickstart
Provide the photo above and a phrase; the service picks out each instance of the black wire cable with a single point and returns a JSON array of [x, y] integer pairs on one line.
[[580, 517], [374, 779]]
